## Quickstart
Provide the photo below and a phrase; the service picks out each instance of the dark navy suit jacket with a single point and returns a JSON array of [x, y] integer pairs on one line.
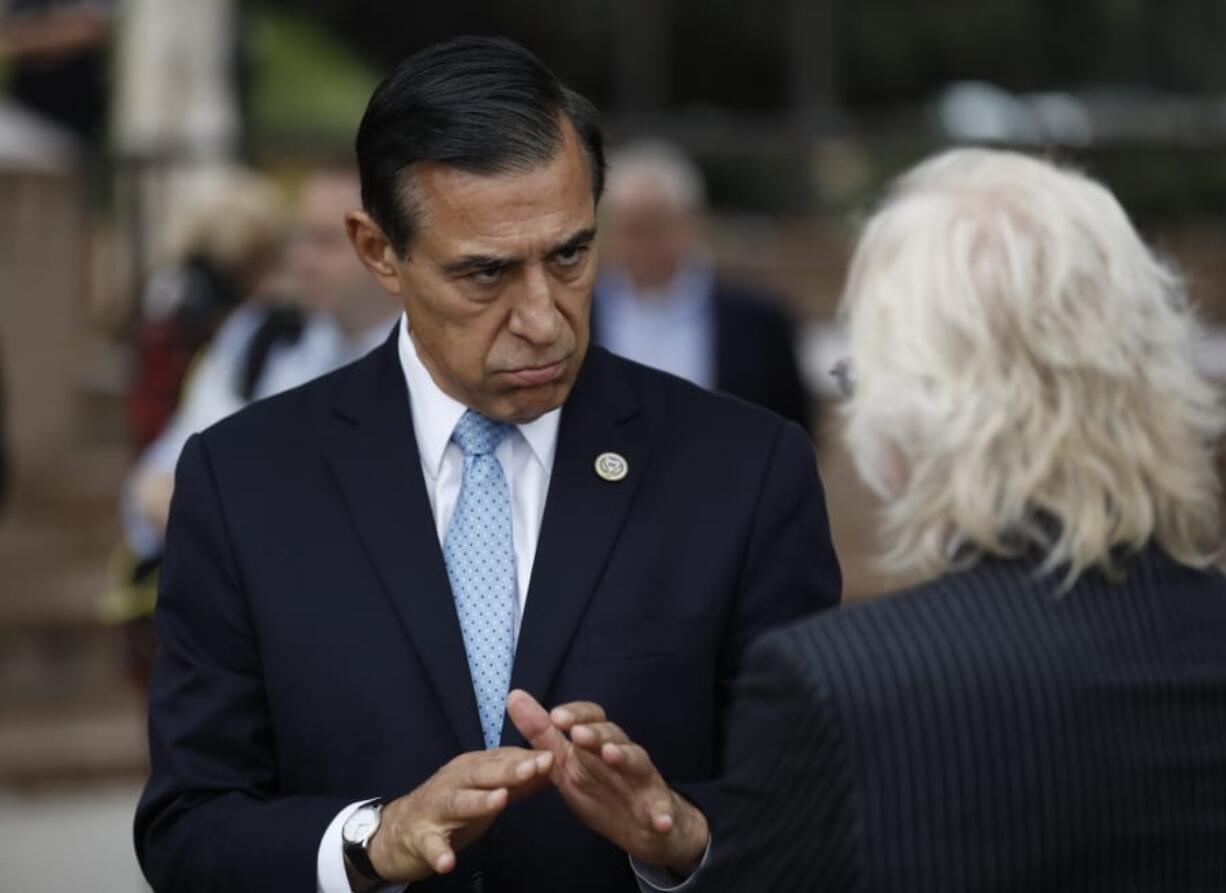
[[311, 654]]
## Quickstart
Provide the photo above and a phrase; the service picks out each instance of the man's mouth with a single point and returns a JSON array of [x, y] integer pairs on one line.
[[535, 376]]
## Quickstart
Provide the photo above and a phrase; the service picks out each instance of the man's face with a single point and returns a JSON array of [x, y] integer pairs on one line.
[[325, 271], [498, 280], [645, 235]]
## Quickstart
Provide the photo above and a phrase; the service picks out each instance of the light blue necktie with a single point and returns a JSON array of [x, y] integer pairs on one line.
[[480, 557]]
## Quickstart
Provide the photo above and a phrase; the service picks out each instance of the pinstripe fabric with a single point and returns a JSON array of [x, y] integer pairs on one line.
[[980, 733]]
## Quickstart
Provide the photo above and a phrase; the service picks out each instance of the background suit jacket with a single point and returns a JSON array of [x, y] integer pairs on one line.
[[311, 654], [980, 733], [755, 352]]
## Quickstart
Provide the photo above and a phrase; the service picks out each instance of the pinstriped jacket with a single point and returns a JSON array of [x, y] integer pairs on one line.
[[984, 733]]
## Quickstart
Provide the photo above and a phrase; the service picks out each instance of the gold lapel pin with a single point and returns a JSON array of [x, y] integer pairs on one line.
[[612, 467]]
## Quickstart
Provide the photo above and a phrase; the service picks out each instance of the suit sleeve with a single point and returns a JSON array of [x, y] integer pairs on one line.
[[788, 811], [789, 571], [211, 818]]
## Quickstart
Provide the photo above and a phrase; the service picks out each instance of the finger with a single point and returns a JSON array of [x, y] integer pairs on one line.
[[535, 767], [662, 812], [566, 715], [593, 735], [528, 788], [534, 724], [588, 772], [504, 767], [437, 852], [628, 759], [467, 804]]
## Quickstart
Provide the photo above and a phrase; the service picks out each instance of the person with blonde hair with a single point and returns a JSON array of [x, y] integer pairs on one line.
[[213, 257], [1047, 710]]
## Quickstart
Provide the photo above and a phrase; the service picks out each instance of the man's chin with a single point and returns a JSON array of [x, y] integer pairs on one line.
[[527, 404]]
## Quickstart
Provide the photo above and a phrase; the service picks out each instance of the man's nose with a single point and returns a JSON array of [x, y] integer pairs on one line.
[[536, 317]]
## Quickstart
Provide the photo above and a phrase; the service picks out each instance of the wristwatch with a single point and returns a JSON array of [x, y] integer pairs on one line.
[[357, 832]]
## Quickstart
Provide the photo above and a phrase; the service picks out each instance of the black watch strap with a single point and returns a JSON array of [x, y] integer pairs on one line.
[[358, 856]]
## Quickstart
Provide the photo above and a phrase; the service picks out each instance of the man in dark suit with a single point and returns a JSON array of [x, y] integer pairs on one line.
[[660, 302], [358, 572]]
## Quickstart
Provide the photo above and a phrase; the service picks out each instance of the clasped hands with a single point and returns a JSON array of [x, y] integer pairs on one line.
[[607, 780]]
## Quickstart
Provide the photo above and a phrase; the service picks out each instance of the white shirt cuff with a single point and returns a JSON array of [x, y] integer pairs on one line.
[[330, 874], [653, 879]]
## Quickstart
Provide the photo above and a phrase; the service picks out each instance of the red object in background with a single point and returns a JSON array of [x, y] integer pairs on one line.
[[200, 298], [164, 352]]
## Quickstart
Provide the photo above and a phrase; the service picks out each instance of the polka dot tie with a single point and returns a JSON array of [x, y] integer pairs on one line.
[[480, 557]]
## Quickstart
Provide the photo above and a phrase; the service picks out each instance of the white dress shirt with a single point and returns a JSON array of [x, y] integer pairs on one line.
[[526, 456]]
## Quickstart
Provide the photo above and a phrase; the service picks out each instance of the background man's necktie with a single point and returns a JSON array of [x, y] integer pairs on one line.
[[480, 557]]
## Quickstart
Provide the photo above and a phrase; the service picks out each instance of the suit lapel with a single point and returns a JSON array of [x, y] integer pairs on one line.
[[583, 516], [373, 453]]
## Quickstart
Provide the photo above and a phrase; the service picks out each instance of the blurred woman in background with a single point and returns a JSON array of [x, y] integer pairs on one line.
[[219, 253], [1048, 710]]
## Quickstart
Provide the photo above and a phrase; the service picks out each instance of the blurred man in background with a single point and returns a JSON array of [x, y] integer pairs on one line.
[[659, 302]]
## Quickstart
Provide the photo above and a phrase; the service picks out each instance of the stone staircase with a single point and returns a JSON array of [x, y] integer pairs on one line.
[[67, 708]]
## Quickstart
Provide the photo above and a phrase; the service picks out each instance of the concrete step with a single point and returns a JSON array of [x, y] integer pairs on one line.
[[97, 743], [68, 709]]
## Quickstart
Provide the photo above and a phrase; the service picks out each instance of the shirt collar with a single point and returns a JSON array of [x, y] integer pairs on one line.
[[436, 413]]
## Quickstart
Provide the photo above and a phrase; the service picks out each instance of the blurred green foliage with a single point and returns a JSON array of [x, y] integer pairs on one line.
[[307, 86]]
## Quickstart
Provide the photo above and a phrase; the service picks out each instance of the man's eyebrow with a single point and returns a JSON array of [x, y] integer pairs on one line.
[[578, 240], [474, 263]]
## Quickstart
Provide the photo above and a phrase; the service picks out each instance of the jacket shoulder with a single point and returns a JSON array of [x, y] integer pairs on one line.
[[912, 637]]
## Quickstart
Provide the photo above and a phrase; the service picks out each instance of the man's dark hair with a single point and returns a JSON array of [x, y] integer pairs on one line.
[[481, 104]]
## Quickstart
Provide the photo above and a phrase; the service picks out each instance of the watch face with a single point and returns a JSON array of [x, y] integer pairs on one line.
[[361, 825]]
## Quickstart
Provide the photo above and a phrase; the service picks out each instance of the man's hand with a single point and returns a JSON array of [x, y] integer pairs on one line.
[[610, 783], [421, 832]]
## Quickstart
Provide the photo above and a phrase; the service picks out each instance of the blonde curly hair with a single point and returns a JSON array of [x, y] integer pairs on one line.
[[1024, 374]]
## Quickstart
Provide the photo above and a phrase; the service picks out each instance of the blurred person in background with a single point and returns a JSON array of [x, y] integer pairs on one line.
[[1048, 712], [658, 300], [226, 243], [318, 312]]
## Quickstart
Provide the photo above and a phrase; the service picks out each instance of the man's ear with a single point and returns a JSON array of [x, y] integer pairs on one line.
[[373, 249]]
